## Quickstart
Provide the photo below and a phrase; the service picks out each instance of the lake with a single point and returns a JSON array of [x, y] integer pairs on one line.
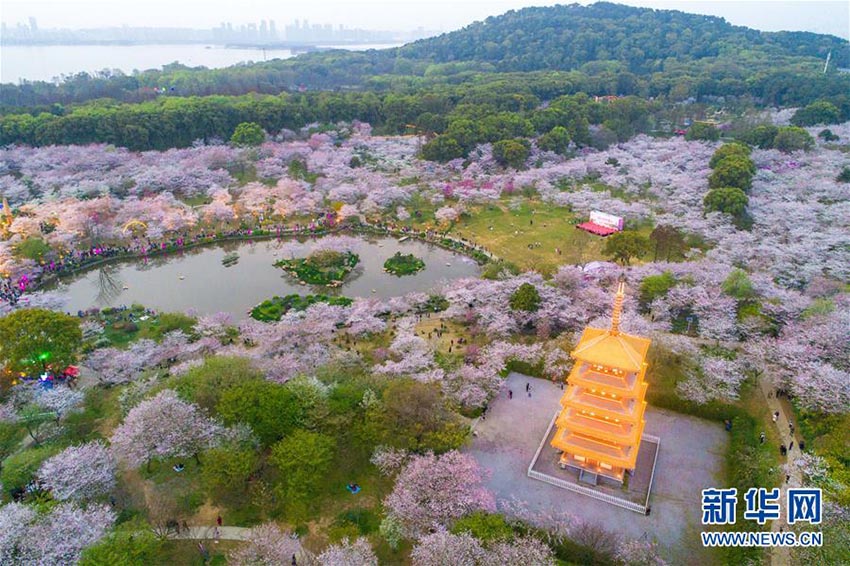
[[46, 62], [208, 287]]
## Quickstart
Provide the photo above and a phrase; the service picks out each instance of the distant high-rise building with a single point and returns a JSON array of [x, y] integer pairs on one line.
[[272, 30], [33, 24]]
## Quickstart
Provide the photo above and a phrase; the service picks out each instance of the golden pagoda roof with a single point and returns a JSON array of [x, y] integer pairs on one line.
[[616, 350]]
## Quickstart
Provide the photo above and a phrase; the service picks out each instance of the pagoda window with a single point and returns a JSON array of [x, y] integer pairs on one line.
[[606, 466], [579, 458]]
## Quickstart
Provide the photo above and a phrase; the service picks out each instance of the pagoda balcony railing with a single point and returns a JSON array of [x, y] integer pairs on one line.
[[621, 406], [590, 379], [594, 450], [623, 432], [624, 381]]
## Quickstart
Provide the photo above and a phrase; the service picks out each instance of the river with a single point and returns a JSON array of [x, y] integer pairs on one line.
[[48, 62], [196, 279]]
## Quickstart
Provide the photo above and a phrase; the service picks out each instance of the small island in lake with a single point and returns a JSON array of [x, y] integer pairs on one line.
[[323, 267], [271, 310], [403, 264]]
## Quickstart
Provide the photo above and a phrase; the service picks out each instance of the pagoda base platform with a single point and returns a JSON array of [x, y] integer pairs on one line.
[[632, 494]]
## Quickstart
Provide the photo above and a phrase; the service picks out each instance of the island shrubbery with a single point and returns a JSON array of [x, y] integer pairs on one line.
[[323, 267], [403, 264], [274, 308]]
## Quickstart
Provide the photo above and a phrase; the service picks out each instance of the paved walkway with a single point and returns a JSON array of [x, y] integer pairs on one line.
[[781, 556], [690, 459], [224, 533]]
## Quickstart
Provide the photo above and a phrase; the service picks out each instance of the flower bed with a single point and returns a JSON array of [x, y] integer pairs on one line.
[[403, 264]]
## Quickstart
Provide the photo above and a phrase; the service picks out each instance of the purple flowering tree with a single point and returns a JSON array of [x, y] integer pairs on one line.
[[79, 472], [433, 490], [164, 427]]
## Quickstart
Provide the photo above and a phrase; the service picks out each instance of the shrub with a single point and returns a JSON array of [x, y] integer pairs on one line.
[[525, 298]]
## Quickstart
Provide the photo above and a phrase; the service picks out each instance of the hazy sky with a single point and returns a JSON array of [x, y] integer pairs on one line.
[[817, 16]]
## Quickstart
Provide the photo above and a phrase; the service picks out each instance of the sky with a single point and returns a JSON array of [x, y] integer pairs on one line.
[[831, 17]]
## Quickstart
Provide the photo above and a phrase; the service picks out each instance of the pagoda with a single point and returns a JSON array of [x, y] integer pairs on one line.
[[601, 421]]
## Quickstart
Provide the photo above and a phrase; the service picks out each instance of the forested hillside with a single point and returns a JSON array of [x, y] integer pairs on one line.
[[639, 40], [607, 48]]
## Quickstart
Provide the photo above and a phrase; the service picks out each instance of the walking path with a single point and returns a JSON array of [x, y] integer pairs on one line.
[[224, 533], [781, 555]]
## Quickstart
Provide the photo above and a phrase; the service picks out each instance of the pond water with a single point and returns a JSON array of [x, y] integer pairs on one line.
[[208, 286]]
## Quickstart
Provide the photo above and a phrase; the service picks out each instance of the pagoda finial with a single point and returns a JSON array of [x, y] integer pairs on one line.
[[618, 308]]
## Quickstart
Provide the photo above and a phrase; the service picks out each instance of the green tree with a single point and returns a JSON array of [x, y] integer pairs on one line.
[[270, 409], [303, 459], [761, 136], [415, 416], [226, 469], [205, 384], [557, 140], [33, 339], [511, 153], [733, 171], [525, 298], [668, 240], [730, 200], [703, 131], [729, 150], [248, 134], [655, 286], [623, 246], [818, 112], [844, 175], [124, 548], [792, 138], [35, 249], [828, 135], [21, 468], [739, 286], [442, 148]]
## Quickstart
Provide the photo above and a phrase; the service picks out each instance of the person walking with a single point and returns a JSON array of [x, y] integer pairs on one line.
[[791, 446], [775, 416], [527, 386], [761, 438], [510, 394]]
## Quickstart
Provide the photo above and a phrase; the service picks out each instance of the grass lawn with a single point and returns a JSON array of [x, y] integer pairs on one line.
[[508, 234]]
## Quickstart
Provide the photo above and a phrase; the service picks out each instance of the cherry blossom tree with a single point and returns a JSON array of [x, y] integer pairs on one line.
[[389, 460], [79, 472], [57, 537], [442, 547], [433, 490], [346, 553], [266, 545], [164, 427]]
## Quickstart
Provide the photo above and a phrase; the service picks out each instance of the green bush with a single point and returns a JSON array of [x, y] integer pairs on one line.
[[248, 134], [20, 469], [403, 264], [323, 268], [703, 131], [655, 286], [486, 527], [525, 298], [273, 309]]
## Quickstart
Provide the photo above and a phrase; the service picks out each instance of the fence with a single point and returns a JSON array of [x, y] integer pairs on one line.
[[610, 499]]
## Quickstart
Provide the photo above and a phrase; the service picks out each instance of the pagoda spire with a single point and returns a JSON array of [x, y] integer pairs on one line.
[[618, 308]]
